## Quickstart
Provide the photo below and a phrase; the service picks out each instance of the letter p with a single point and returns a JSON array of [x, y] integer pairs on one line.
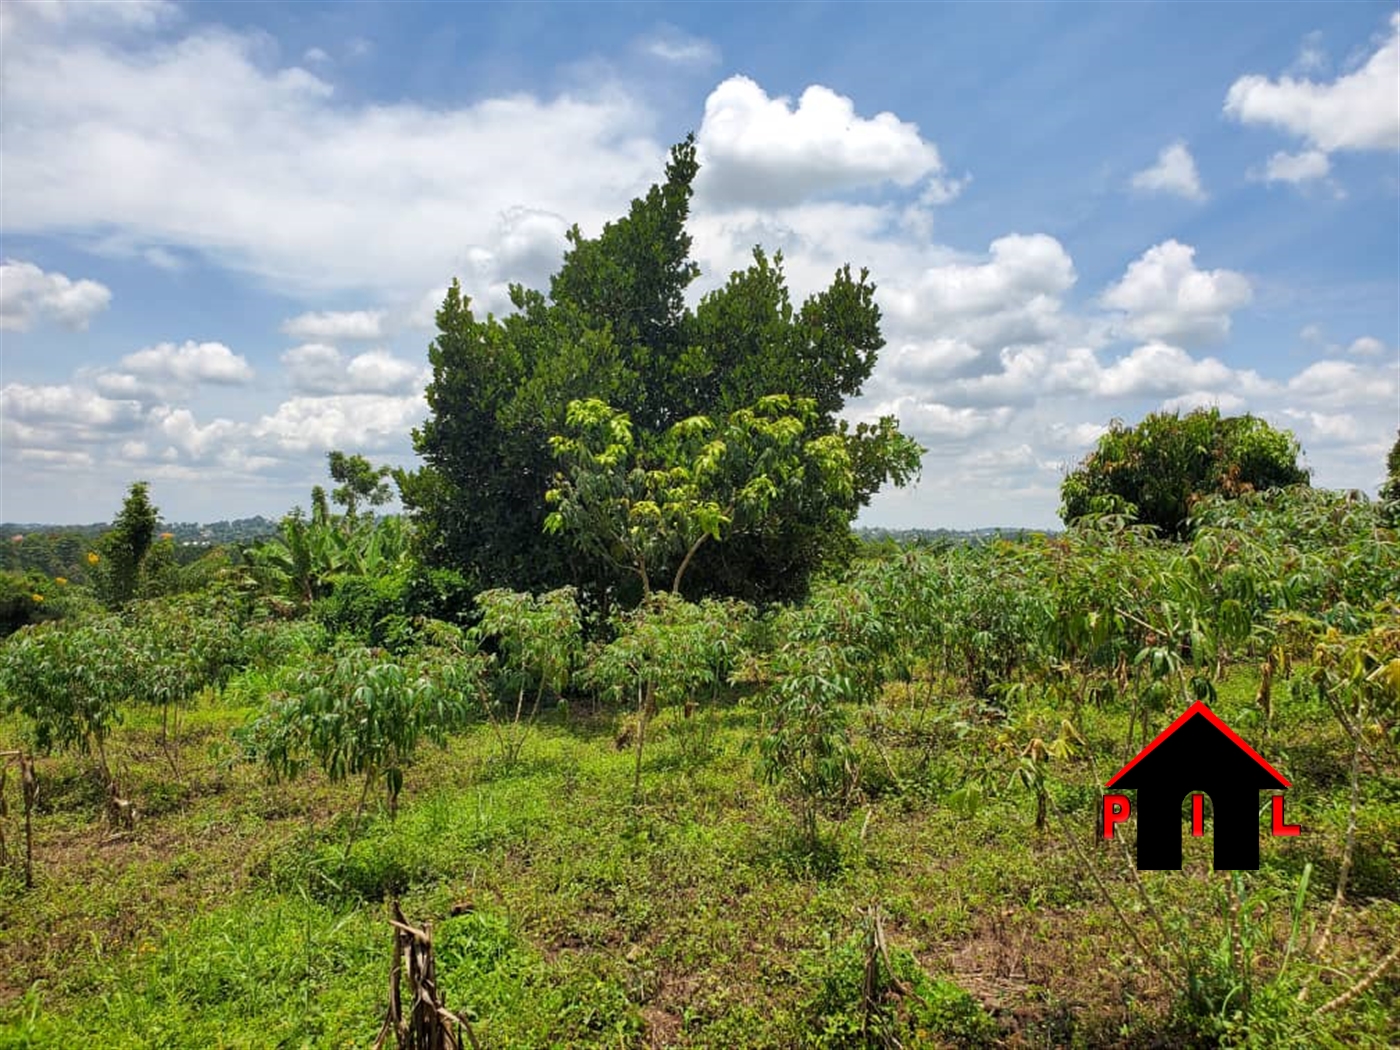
[[1116, 809]]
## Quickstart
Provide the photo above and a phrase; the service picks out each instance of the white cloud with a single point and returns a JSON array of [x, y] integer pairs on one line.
[[1357, 111], [1366, 346], [315, 56], [1344, 384], [1158, 369], [349, 421], [28, 294], [1165, 297], [677, 47], [1014, 297], [762, 150], [1297, 167], [57, 459], [1174, 173], [1073, 437], [193, 442], [162, 259], [69, 15], [1311, 56], [1335, 428], [927, 418], [201, 144], [189, 363], [59, 424], [316, 368], [352, 324], [1229, 403], [932, 359]]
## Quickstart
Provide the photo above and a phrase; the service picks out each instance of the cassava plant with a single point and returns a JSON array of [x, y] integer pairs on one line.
[[357, 714], [538, 640]]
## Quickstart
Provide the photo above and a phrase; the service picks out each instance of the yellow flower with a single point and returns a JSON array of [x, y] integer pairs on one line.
[[93, 559], [37, 597], [167, 535], [62, 581]]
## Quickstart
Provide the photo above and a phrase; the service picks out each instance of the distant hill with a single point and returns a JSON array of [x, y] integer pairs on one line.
[[240, 530], [956, 537]]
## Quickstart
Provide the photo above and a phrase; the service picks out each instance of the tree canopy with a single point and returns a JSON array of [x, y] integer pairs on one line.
[[1160, 468], [615, 329], [126, 545], [360, 482]]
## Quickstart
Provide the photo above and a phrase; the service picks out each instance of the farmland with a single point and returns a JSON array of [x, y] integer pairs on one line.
[[865, 817]]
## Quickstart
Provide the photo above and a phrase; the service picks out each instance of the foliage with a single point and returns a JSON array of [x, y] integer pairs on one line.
[[49, 675], [372, 609], [1157, 470], [356, 713], [665, 653], [34, 598], [1390, 490], [871, 995], [831, 655], [615, 329], [125, 547], [309, 558], [59, 552], [360, 483], [948, 689], [650, 515], [538, 640]]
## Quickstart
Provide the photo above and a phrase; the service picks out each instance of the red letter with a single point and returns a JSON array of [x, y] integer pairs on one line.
[[1198, 815], [1115, 810], [1280, 828]]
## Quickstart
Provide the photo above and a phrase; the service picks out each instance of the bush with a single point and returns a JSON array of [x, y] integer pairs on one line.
[[1159, 468], [926, 1012], [372, 610]]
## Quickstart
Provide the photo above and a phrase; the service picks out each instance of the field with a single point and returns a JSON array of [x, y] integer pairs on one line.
[[869, 820]]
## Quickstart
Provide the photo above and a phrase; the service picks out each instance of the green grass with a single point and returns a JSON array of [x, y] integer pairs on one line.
[[564, 915]]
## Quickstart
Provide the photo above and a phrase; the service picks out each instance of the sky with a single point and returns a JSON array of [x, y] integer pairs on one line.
[[225, 227]]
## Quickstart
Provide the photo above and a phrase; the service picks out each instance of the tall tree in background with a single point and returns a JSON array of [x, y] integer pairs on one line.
[[125, 547], [1158, 469], [615, 328], [1390, 490], [360, 482]]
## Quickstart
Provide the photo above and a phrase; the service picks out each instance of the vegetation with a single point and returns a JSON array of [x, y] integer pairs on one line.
[[615, 331], [859, 820], [1158, 470], [857, 809], [126, 546], [1390, 491]]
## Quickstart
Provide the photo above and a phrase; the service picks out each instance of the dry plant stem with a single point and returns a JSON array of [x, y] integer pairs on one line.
[[429, 1024], [30, 786], [359, 812], [1345, 869], [5, 757], [1236, 951], [1360, 986], [1098, 881], [1151, 908]]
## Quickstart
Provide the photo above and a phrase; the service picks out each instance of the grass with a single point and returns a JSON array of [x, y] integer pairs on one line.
[[232, 916]]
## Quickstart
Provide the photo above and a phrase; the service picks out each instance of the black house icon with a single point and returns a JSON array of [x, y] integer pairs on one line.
[[1198, 752]]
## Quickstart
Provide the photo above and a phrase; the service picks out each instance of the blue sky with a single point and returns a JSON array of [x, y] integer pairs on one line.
[[225, 226]]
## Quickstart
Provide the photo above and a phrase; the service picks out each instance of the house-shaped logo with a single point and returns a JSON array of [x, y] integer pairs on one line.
[[1197, 755]]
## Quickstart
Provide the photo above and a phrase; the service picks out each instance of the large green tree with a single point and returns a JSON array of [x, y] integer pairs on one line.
[[126, 545], [615, 328], [360, 483], [1158, 469]]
